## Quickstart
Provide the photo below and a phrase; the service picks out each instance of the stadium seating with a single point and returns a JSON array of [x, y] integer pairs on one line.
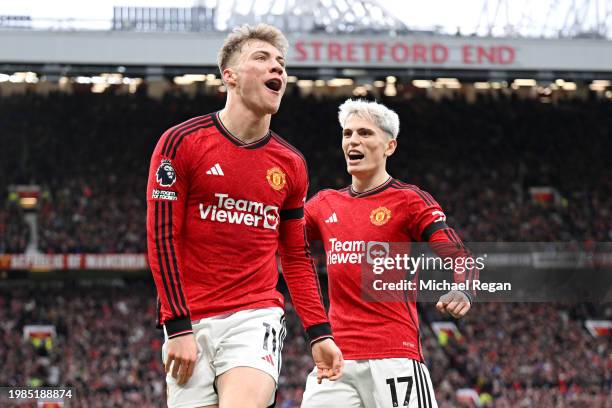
[[524, 355], [478, 160], [90, 154]]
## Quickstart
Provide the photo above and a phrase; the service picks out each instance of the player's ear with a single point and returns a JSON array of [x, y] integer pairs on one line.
[[229, 77], [391, 146]]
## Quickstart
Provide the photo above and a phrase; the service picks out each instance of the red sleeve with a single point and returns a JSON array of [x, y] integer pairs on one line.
[[298, 266], [423, 210], [310, 214], [447, 244], [167, 190], [429, 225]]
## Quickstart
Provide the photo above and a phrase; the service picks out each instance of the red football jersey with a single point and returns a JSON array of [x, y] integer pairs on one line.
[[217, 212], [346, 221]]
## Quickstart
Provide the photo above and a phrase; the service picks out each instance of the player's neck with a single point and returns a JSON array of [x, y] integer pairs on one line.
[[244, 124], [361, 184]]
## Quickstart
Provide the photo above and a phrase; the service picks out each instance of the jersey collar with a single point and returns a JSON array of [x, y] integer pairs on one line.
[[372, 191], [261, 142]]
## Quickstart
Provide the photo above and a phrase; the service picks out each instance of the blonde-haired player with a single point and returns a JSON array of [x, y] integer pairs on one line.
[[380, 340]]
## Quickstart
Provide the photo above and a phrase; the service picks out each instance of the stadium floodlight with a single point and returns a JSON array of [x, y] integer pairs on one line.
[[21, 77], [452, 83], [340, 82], [599, 85], [482, 85], [422, 83], [215, 82], [305, 83], [99, 88], [570, 86], [524, 82]]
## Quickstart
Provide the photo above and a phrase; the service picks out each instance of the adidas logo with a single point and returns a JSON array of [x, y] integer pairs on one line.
[[332, 218], [215, 170], [269, 359]]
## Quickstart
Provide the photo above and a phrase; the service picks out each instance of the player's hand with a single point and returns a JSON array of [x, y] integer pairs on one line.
[[183, 352], [328, 359], [455, 302]]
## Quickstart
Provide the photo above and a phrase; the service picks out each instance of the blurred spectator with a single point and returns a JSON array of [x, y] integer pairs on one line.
[[521, 355], [477, 159], [90, 155]]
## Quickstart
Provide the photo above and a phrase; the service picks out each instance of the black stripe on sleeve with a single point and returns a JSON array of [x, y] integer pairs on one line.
[[173, 132], [431, 228], [451, 238], [292, 214], [162, 270], [426, 194], [183, 303], [421, 194], [182, 129], [164, 233], [186, 133], [313, 268], [457, 239]]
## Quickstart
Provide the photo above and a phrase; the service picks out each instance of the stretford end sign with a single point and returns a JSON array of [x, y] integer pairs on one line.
[[398, 52], [310, 51]]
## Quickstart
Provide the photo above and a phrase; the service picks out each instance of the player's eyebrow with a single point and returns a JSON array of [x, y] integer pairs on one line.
[[279, 58], [359, 130]]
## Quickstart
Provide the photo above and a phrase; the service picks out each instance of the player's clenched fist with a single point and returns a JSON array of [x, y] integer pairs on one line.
[[181, 357], [328, 359], [455, 302]]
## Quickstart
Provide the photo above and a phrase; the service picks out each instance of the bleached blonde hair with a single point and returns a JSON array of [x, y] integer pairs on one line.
[[375, 112], [240, 35]]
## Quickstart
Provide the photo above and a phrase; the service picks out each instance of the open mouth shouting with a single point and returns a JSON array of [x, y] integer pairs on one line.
[[274, 85], [354, 156]]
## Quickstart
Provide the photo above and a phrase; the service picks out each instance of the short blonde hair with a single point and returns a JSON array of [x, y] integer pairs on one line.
[[377, 113], [240, 35]]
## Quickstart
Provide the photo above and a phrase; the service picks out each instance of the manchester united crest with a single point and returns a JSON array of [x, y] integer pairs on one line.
[[380, 216], [276, 178]]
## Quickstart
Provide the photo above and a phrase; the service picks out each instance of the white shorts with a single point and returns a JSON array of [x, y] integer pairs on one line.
[[383, 383], [248, 338]]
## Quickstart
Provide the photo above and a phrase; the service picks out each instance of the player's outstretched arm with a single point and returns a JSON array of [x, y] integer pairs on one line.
[[456, 302], [429, 225], [182, 353], [328, 360]]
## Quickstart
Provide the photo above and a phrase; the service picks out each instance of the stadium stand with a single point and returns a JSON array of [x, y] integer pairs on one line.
[[479, 160], [521, 355], [90, 153]]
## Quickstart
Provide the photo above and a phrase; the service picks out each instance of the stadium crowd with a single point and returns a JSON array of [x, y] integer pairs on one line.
[[517, 355], [90, 155]]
